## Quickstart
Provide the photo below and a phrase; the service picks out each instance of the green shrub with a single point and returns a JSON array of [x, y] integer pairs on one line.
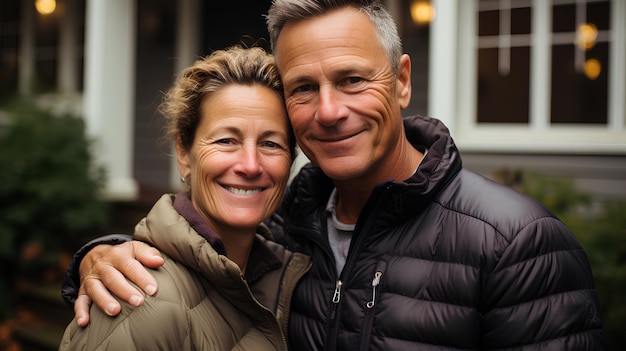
[[604, 239], [48, 190]]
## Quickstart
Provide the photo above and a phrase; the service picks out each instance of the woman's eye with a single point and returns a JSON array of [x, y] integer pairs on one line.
[[271, 144], [224, 141]]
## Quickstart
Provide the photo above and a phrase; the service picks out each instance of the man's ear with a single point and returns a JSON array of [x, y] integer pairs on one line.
[[404, 81], [182, 157]]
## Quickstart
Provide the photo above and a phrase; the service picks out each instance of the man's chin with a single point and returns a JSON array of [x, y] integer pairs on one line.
[[342, 170]]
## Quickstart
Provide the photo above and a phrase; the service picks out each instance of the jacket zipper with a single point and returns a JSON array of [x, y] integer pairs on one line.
[[364, 218], [375, 283], [337, 294], [370, 311], [331, 343], [269, 319], [355, 246]]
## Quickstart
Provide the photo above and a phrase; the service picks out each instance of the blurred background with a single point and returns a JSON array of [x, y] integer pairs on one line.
[[533, 91]]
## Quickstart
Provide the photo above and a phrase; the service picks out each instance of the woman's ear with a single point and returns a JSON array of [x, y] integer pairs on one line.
[[182, 157], [404, 81]]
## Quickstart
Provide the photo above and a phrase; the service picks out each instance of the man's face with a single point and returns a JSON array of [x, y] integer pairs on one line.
[[342, 97]]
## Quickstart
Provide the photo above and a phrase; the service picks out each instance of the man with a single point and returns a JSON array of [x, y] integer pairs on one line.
[[410, 251]]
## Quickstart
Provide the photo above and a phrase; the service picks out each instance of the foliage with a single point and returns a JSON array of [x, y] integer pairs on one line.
[[48, 190], [603, 239], [601, 231]]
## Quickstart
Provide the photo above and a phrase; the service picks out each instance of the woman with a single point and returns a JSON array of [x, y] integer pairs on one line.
[[222, 287]]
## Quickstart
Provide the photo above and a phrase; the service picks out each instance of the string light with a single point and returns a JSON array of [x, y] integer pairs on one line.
[[586, 35], [45, 7], [593, 68], [422, 12]]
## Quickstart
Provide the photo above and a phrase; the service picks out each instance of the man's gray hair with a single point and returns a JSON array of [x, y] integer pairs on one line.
[[291, 11]]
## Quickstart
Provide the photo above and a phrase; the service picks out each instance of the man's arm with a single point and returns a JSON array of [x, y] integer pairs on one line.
[[103, 267], [541, 294]]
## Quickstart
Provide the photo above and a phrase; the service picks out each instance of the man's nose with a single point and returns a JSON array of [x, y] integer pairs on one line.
[[330, 109]]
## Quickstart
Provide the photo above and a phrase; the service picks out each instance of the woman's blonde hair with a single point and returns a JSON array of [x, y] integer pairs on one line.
[[234, 65]]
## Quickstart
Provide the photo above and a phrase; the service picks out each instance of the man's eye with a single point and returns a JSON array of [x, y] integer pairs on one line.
[[353, 80], [303, 88]]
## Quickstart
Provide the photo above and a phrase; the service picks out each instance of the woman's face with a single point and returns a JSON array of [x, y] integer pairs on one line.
[[239, 161]]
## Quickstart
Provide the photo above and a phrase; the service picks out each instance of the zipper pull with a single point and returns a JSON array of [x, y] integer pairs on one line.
[[337, 294], [375, 283]]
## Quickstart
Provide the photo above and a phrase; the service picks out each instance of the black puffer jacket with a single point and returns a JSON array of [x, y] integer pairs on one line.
[[447, 260]]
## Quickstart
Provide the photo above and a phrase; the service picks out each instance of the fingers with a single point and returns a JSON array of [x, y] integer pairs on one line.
[[81, 310], [97, 287], [147, 255], [106, 267], [133, 269]]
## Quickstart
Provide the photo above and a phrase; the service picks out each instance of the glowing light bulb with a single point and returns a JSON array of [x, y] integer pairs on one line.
[[593, 68], [45, 7], [422, 12], [586, 35]]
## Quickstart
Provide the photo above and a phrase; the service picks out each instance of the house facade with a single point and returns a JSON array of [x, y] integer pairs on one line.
[[534, 85], [530, 85]]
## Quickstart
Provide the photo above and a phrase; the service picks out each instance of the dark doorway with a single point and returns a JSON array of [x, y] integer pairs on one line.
[[234, 21]]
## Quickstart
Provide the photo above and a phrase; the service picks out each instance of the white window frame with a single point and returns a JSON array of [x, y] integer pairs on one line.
[[453, 88]]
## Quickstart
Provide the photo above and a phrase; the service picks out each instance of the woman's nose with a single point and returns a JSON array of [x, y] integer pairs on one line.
[[249, 164]]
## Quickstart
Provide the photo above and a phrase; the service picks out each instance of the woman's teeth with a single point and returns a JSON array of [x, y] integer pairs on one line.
[[237, 191]]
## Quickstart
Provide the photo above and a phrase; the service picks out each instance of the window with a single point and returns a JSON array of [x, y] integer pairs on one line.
[[503, 62], [542, 75], [580, 57]]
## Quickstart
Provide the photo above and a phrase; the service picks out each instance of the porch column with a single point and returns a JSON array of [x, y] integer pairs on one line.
[[109, 92], [442, 80], [26, 73], [187, 52], [68, 48]]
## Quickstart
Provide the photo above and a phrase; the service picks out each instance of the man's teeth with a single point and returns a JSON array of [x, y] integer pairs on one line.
[[237, 191]]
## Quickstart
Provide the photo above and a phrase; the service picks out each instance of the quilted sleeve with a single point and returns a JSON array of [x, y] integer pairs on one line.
[[541, 294]]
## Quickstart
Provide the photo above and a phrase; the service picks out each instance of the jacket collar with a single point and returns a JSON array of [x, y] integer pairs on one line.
[[391, 200], [261, 258]]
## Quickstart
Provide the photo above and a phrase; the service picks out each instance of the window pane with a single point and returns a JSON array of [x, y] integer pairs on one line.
[[488, 23], [577, 98], [579, 91], [503, 98], [520, 20], [564, 18], [598, 13]]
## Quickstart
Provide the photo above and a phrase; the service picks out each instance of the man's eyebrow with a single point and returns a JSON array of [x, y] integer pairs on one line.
[[307, 79], [348, 72], [303, 79]]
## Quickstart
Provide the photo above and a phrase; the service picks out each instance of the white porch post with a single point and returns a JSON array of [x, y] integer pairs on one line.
[[67, 64], [187, 52], [26, 72], [110, 90], [442, 79]]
